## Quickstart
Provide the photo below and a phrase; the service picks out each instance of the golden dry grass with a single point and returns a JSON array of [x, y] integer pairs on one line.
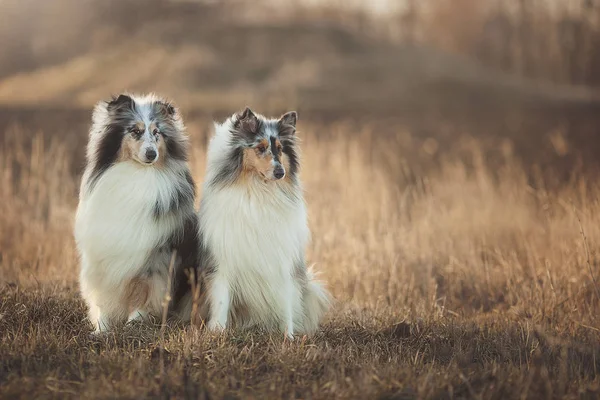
[[458, 282]]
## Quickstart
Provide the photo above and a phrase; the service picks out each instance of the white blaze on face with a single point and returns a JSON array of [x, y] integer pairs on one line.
[[148, 149], [148, 152], [277, 169]]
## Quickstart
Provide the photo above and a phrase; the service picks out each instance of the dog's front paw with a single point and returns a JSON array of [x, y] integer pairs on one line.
[[138, 316], [98, 334], [215, 326]]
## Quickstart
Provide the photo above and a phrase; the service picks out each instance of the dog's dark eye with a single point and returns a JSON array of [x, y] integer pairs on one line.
[[155, 131], [279, 149], [262, 148], [135, 131]]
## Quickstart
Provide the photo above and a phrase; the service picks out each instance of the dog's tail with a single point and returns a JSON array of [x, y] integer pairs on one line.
[[316, 302]]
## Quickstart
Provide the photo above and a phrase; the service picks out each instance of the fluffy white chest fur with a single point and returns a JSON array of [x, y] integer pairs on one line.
[[115, 221], [257, 237], [116, 232]]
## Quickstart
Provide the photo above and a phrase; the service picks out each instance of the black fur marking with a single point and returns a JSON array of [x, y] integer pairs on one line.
[[136, 134], [165, 115], [168, 107], [247, 121], [110, 145], [190, 181], [300, 271], [176, 149], [158, 210], [246, 126], [274, 149], [289, 118], [187, 243], [121, 102], [107, 151], [183, 196], [285, 128], [289, 149], [231, 168], [153, 264]]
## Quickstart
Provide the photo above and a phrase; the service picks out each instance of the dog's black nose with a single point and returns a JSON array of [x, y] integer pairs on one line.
[[150, 154], [278, 173]]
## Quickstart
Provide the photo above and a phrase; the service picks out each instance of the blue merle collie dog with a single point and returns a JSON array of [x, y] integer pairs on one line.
[[253, 225], [136, 206]]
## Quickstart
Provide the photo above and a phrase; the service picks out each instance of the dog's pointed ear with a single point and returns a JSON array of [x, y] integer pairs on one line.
[[122, 101], [287, 123], [289, 118], [168, 108], [247, 121]]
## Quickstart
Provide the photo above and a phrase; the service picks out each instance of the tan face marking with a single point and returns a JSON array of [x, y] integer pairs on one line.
[[140, 126], [160, 142], [285, 161], [278, 147], [133, 142], [162, 149], [129, 147], [264, 159], [262, 145], [255, 162], [153, 127]]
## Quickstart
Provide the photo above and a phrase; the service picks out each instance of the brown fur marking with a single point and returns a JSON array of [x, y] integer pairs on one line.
[[285, 161], [264, 143], [254, 162], [162, 150], [129, 147], [136, 293], [278, 147]]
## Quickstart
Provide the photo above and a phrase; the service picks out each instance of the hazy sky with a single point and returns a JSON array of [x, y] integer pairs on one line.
[[383, 6]]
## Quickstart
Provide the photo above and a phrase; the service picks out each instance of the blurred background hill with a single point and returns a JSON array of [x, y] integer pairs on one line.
[[321, 55], [522, 71]]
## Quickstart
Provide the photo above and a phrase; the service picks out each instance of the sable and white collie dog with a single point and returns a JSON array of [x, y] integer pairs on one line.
[[254, 230], [136, 206]]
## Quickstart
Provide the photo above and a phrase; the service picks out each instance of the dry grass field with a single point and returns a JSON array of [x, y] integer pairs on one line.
[[468, 279]]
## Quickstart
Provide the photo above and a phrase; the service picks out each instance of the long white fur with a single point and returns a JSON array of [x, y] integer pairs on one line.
[[256, 235], [115, 230]]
